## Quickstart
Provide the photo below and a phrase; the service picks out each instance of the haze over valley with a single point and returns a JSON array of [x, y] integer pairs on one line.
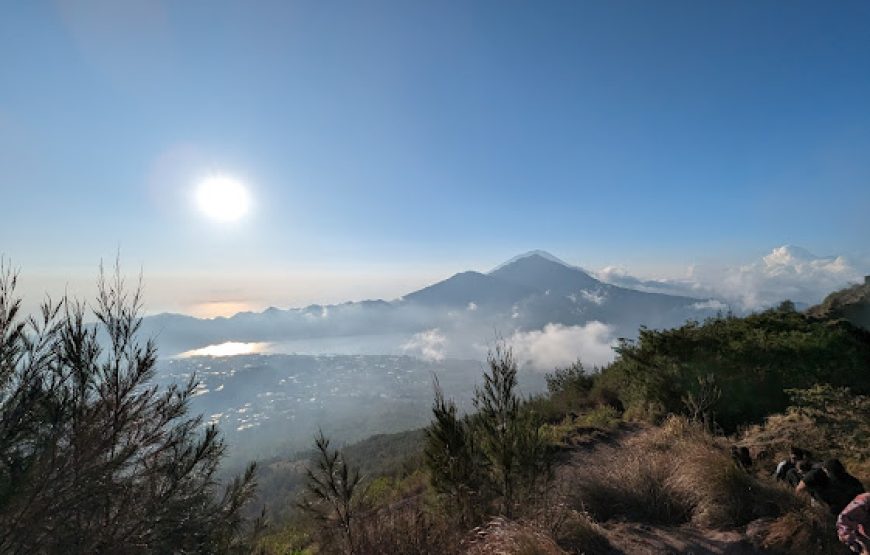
[[368, 367], [271, 379]]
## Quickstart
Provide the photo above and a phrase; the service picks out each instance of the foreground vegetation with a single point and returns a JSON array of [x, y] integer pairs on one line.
[[95, 458], [645, 441]]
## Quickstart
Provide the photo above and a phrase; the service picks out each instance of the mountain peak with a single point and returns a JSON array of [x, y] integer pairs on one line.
[[470, 287], [544, 272], [531, 254]]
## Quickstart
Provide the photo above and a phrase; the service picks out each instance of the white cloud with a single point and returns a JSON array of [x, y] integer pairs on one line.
[[428, 345], [594, 297], [787, 272], [611, 274], [559, 345], [472, 306], [683, 285]]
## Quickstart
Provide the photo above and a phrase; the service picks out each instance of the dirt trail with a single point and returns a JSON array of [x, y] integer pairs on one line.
[[642, 539]]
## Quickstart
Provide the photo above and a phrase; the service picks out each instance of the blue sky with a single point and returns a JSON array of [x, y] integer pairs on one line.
[[389, 143]]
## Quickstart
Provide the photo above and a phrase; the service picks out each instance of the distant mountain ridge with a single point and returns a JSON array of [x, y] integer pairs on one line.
[[525, 293]]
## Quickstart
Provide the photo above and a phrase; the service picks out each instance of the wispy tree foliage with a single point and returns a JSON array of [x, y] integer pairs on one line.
[[333, 494], [498, 415], [701, 402], [497, 453], [515, 454], [94, 457], [452, 458]]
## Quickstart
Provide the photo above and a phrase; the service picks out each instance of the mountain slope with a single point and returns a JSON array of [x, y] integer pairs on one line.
[[538, 272], [852, 304], [570, 296], [470, 287]]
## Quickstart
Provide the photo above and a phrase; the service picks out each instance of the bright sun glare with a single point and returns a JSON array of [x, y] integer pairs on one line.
[[222, 198]]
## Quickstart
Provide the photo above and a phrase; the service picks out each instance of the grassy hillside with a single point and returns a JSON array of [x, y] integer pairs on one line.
[[631, 458], [851, 304], [750, 361]]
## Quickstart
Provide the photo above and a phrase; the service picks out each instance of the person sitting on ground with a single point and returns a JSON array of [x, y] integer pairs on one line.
[[831, 485], [794, 475], [853, 524], [796, 454], [817, 485], [846, 486]]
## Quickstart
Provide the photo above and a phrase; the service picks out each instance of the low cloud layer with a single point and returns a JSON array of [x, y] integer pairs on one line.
[[429, 345], [787, 272], [557, 345]]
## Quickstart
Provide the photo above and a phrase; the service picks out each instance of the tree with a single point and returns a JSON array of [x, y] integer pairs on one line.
[[93, 457], [497, 452], [573, 379], [334, 496], [452, 459], [515, 455]]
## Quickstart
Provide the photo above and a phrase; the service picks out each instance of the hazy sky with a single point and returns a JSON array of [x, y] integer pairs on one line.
[[388, 144]]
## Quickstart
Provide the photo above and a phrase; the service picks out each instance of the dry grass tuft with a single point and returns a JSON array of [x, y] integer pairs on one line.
[[802, 530], [630, 483], [406, 527], [578, 533], [724, 496], [673, 475]]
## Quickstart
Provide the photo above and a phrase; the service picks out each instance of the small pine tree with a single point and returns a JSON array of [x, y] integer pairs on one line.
[[333, 493], [496, 452], [451, 458], [516, 456], [498, 409], [534, 455]]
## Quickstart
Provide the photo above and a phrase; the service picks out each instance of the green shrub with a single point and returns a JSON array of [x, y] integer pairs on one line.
[[650, 412], [604, 417], [754, 360]]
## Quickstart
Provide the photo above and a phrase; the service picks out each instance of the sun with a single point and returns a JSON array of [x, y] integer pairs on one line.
[[223, 198]]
